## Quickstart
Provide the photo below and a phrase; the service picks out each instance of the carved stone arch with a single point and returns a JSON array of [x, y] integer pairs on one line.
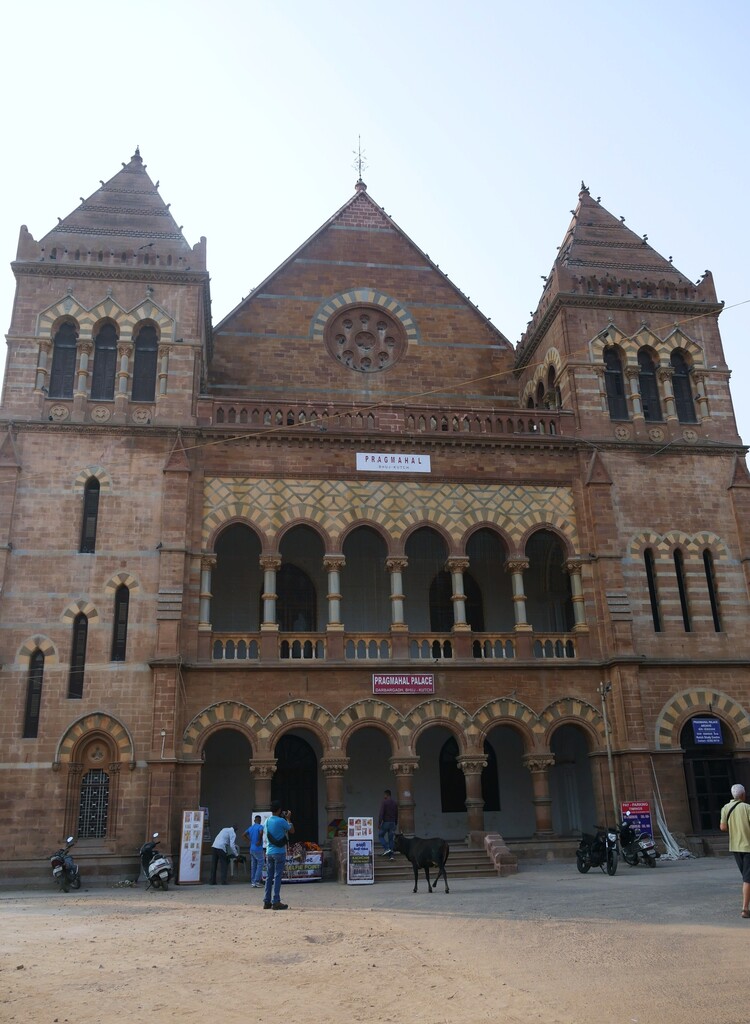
[[298, 714], [370, 297], [483, 523], [552, 358], [529, 391], [644, 337], [118, 579], [508, 711], [573, 711], [561, 528], [101, 474], [223, 713], [678, 339], [439, 712], [38, 642], [236, 511], [67, 308], [80, 607], [352, 519], [684, 705], [609, 337], [434, 520], [147, 309], [86, 727], [302, 515], [647, 539], [374, 714], [716, 544], [678, 539], [99, 321], [234, 521]]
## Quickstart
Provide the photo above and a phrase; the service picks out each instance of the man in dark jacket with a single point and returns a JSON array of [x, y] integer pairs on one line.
[[387, 822]]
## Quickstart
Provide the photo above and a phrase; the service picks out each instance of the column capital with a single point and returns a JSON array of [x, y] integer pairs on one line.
[[471, 764], [334, 764], [262, 769], [457, 564], [333, 563], [538, 762], [517, 565], [665, 373], [573, 565], [270, 562], [404, 765], [396, 564], [632, 372], [208, 562]]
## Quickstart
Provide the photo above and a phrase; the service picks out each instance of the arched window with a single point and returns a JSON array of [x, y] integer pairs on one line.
[[653, 594], [549, 599], [708, 565], [648, 386], [90, 516], [614, 383], [683, 392], [679, 568], [144, 365], [93, 808], [540, 393], [296, 606], [78, 656], [120, 629], [62, 375], [105, 363], [33, 695], [441, 605]]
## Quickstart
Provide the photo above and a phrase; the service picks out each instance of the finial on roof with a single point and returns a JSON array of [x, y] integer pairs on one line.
[[359, 165], [584, 189], [137, 154]]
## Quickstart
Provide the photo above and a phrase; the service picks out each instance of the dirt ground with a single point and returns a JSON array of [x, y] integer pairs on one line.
[[547, 947]]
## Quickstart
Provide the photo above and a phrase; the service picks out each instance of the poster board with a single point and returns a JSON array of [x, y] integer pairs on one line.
[[638, 813], [191, 840], [360, 851]]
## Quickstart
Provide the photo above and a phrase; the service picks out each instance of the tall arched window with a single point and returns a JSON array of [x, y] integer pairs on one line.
[[120, 628], [62, 375], [90, 516], [683, 392], [648, 386], [78, 656], [33, 695], [679, 568], [708, 565], [614, 383], [144, 365], [296, 606], [653, 594], [549, 599], [93, 808], [105, 363]]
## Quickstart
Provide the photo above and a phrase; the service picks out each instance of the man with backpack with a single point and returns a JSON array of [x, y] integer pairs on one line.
[[278, 827], [735, 819]]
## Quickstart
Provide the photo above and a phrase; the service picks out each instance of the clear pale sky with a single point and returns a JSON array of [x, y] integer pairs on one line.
[[478, 122]]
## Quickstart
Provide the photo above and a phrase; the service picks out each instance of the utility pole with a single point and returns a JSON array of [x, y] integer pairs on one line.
[[604, 690]]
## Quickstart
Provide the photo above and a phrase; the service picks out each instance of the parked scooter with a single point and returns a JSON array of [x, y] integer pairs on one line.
[[156, 866], [636, 845], [64, 871], [598, 851]]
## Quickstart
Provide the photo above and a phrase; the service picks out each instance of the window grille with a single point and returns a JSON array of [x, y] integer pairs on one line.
[[144, 365], [120, 631], [90, 516], [105, 364], [33, 695], [93, 808], [62, 374], [614, 383], [681, 386], [78, 656], [648, 387]]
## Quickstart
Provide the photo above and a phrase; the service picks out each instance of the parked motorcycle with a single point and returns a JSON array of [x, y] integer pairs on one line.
[[598, 851], [636, 845], [64, 871], [156, 866]]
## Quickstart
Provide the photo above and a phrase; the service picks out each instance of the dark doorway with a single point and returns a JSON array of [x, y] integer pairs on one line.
[[453, 780], [708, 775], [226, 784], [295, 784]]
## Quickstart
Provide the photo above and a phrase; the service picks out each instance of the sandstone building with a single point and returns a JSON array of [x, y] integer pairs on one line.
[[226, 548]]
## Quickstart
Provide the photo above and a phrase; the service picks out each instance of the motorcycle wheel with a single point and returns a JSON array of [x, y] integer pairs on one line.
[[75, 882], [64, 885], [165, 884], [631, 859], [651, 862], [582, 864], [611, 862]]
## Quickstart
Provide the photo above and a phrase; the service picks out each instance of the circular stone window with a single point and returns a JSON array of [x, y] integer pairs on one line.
[[365, 338]]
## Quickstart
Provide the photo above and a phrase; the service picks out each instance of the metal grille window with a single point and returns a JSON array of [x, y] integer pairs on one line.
[[78, 656], [94, 805], [120, 631], [90, 516], [648, 387], [63, 363], [144, 365], [105, 363], [33, 695], [614, 383], [681, 386]]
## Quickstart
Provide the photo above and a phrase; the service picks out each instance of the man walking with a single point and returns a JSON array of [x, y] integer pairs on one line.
[[735, 819], [387, 822], [257, 856]]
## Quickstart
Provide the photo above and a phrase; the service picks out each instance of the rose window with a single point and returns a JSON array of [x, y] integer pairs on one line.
[[364, 339]]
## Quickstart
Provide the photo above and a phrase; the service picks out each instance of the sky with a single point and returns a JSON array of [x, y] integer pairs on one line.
[[478, 122]]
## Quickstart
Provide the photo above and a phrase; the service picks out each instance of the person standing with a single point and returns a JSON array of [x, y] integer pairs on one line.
[[222, 848], [257, 856], [278, 827], [735, 819], [387, 822]]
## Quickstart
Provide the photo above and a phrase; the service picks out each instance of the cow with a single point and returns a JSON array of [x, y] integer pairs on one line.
[[424, 853]]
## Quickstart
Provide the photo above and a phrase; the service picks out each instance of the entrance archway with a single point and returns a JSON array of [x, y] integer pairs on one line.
[[708, 775], [295, 784], [226, 784], [369, 772], [515, 817], [570, 784]]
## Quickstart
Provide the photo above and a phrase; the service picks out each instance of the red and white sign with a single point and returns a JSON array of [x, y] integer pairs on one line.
[[384, 462], [410, 683]]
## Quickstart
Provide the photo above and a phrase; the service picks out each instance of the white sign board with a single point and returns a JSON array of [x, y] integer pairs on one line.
[[191, 840], [384, 462], [360, 851]]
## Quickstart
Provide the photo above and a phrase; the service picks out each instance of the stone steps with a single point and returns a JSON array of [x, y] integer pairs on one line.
[[463, 862]]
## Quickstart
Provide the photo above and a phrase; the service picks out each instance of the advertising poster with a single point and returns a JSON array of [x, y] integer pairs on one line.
[[360, 851], [191, 840]]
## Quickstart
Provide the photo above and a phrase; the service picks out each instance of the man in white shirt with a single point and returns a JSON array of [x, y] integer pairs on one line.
[[222, 848]]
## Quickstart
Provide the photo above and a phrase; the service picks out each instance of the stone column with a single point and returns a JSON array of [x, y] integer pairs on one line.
[[82, 373], [208, 564], [632, 373], [42, 371], [163, 366], [399, 629], [403, 768], [262, 770], [664, 375], [333, 768], [516, 568], [701, 397], [457, 567], [333, 564], [539, 766], [472, 765], [573, 567], [270, 564], [124, 351]]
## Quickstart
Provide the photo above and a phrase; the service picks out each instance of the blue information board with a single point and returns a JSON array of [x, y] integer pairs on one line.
[[707, 730]]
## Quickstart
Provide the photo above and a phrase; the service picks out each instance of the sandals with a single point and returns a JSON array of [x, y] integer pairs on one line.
[[745, 913]]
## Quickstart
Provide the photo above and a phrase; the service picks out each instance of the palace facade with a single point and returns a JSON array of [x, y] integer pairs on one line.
[[350, 537]]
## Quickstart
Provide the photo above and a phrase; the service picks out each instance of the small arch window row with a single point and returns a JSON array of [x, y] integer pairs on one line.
[[70, 364], [667, 581], [651, 398], [547, 394]]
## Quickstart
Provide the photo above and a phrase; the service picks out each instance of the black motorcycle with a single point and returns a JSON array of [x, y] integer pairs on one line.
[[64, 870], [598, 851], [636, 845]]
